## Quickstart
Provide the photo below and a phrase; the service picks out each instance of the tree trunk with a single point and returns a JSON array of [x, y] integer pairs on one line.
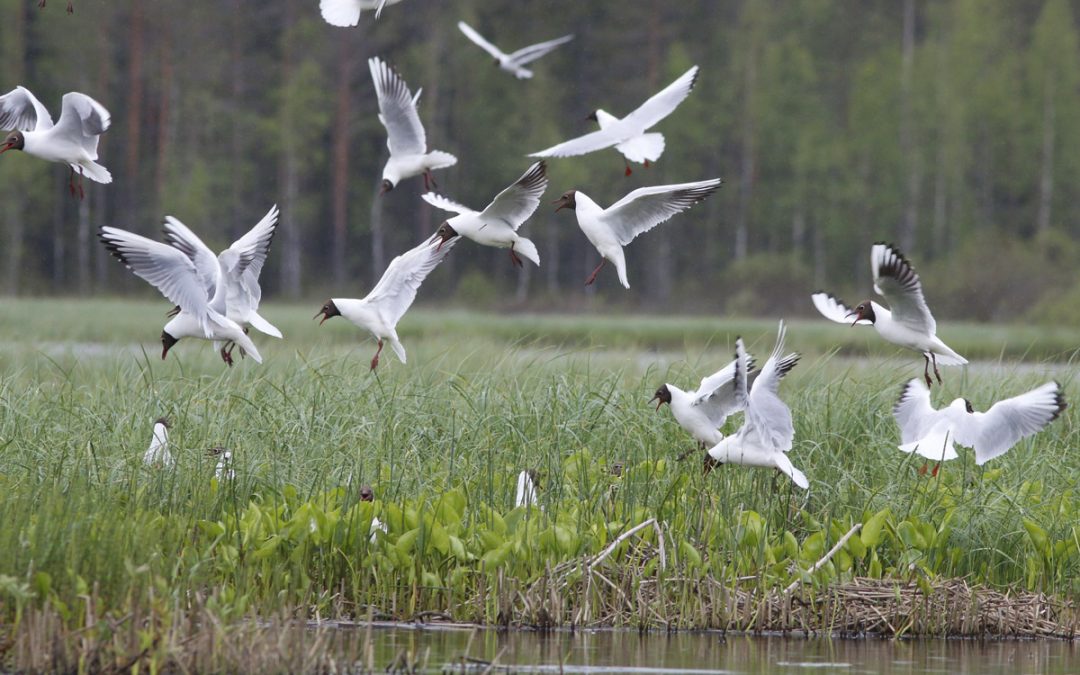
[[164, 114], [748, 161], [910, 153], [133, 113], [290, 169], [1046, 174], [660, 272], [14, 202], [378, 236], [339, 181]]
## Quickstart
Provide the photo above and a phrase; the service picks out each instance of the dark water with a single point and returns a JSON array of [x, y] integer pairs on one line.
[[436, 650]]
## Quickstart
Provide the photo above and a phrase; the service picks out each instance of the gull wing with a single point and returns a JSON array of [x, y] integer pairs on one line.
[[165, 268], [663, 103], [242, 264], [645, 208], [767, 416], [895, 280], [209, 271], [833, 309], [716, 396], [19, 109], [397, 288], [1007, 422], [479, 40], [514, 205], [397, 111], [533, 52], [444, 203], [83, 120]]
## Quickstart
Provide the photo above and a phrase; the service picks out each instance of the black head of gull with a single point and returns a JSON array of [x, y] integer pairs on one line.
[[662, 396], [864, 312], [328, 310], [167, 342], [14, 141], [567, 201], [387, 186]]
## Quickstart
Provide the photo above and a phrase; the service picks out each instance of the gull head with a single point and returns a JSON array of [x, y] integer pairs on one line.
[[567, 201], [968, 407], [367, 494], [167, 341], [387, 186], [864, 311], [662, 396], [14, 141], [328, 310], [163, 421], [445, 233]]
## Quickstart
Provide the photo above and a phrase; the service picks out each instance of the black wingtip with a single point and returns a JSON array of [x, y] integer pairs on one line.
[[1059, 402]]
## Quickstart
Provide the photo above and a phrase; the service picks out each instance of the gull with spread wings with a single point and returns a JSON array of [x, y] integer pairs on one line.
[[513, 63]]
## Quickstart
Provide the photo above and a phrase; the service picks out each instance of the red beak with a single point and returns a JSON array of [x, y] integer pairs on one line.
[[164, 351], [658, 402], [561, 203], [7, 146], [325, 316], [439, 247]]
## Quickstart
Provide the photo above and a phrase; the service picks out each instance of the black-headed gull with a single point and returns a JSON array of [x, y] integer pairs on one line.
[[931, 433], [404, 133], [907, 321], [158, 453], [767, 431], [513, 63], [178, 278], [703, 411], [381, 309], [497, 224], [368, 495], [526, 489], [628, 134], [238, 267], [345, 13], [73, 140], [638, 212]]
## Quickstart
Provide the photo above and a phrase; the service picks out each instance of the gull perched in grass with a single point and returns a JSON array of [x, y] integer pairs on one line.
[[907, 321], [767, 431], [628, 134], [526, 489], [223, 470], [381, 309], [405, 135], [703, 411], [931, 433], [368, 495], [203, 310], [158, 453], [345, 13], [73, 140], [513, 63], [638, 212], [237, 267], [497, 224]]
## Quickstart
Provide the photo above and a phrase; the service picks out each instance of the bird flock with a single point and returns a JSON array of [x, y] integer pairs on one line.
[[217, 297]]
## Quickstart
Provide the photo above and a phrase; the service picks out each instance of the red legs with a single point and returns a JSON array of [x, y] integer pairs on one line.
[[925, 466], [375, 359], [226, 356], [628, 169], [429, 180], [646, 164], [929, 382], [41, 4], [936, 467], [709, 465], [515, 259], [72, 186], [933, 356], [592, 277], [70, 9]]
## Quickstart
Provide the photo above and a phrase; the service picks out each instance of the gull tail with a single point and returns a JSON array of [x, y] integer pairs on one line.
[[644, 148], [396, 345], [935, 446], [93, 171], [248, 346], [263, 326], [785, 465], [528, 249], [436, 159], [946, 356]]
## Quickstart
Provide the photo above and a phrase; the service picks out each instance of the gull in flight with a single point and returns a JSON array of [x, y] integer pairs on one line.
[[703, 411], [907, 321], [497, 225], [203, 312], [237, 267], [767, 431], [382, 308], [638, 212], [404, 133], [73, 140], [158, 453], [513, 63], [931, 433], [628, 134], [345, 13]]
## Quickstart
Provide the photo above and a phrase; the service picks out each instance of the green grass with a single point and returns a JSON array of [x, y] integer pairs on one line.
[[442, 438]]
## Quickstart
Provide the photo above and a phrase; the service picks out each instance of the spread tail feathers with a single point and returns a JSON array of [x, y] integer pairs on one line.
[[643, 148], [936, 446], [93, 171], [263, 326], [527, 249], [440, 160]]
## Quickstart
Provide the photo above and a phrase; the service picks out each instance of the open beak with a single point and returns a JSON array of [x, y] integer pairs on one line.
[[658, 402], [562, 204], [164, 351], [7, 146], [856, 315], [439, 247], [324, 315]]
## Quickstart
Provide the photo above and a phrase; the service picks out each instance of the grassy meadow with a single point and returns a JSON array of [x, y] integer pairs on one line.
[[91, 537]]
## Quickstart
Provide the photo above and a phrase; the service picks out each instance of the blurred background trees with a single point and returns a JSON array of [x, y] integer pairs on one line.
[[950, 127]]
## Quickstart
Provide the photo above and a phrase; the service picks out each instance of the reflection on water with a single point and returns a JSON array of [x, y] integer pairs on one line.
[[436, 650]]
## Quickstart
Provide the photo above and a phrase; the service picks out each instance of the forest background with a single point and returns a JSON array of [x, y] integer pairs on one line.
[[951, 127]]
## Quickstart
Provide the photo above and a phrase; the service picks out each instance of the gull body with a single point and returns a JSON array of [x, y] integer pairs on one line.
[[176, 276], [405, 136], [497, 225], [608, 230], [513, 63], [931, 432], [907, 321], [73, 140], [381, 309], [346, 13], [628, 134], [703, 411], [158, 453], [526, 489], [767, 431]]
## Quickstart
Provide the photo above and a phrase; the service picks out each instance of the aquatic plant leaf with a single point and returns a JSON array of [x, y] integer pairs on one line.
[[871, 530]]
